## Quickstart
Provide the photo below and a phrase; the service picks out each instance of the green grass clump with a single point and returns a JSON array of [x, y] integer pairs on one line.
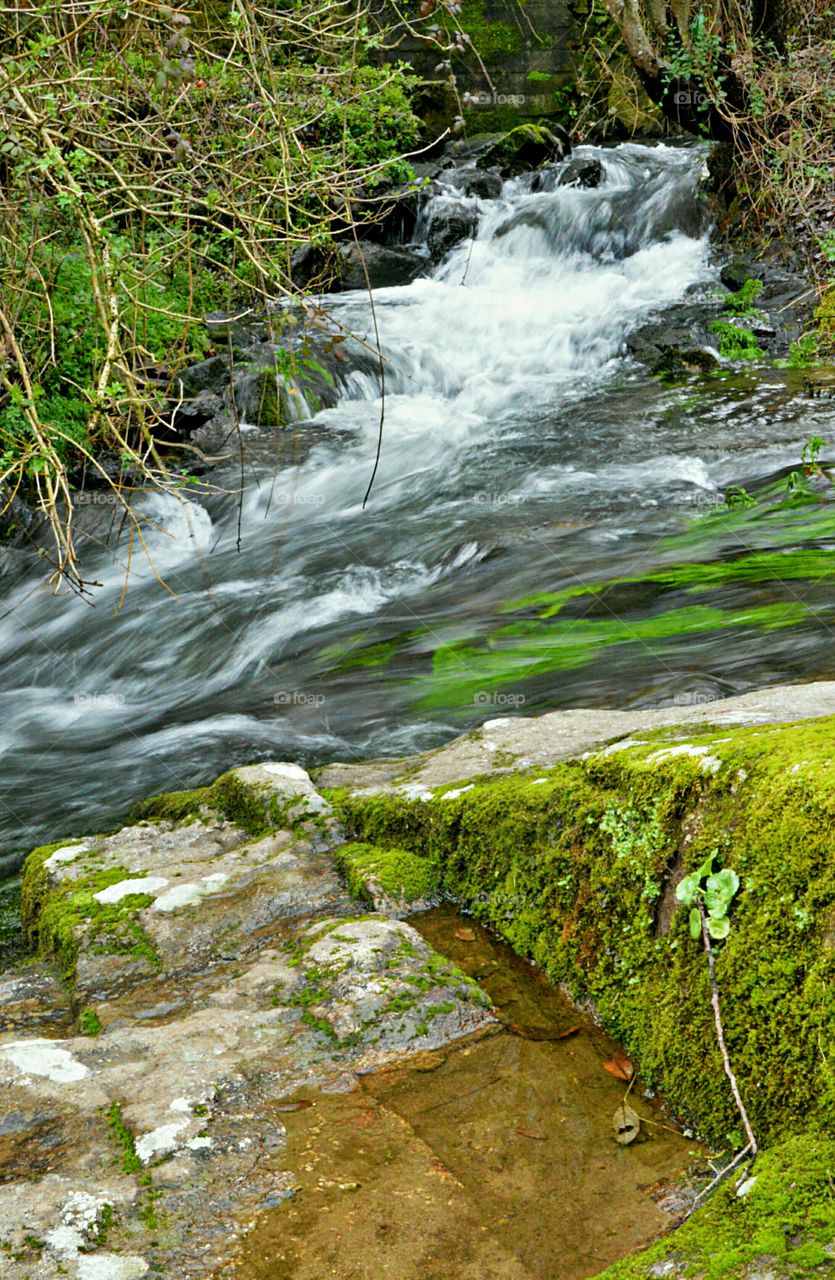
[[89, 1023]]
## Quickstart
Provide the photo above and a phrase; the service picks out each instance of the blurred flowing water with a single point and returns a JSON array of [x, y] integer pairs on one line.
[[522, 454]]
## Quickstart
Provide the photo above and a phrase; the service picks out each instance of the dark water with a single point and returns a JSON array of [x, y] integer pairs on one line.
[[523, 455]]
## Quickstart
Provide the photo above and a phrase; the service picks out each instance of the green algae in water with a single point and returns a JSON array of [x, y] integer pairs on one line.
[[785, 540], [462, 672]]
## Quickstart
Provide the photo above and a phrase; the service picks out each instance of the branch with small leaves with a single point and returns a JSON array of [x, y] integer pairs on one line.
[[709, 895]]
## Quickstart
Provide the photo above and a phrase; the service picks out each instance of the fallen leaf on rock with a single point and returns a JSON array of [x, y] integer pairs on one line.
[[298, 1104], [465, 935], [626, 1124], [620, 1068]]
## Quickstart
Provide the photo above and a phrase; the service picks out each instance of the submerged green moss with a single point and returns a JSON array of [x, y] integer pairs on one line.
[[567, 629], [578, 873], [463, 671], [400, 874]]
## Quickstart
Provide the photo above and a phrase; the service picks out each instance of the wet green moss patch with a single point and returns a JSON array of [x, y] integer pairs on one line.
[[783, 1223], [228, 797], [400, 874], [61, 918]]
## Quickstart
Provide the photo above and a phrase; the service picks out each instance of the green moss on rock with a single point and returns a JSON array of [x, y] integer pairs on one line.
[[579, 874], [228, 797], [523, 147], [398, 873], [783, 1224], [61, 917]]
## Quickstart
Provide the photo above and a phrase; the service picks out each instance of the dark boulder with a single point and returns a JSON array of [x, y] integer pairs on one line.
[[667, 347], [734, 273], [340, 267], [451, 222], [235, 329], [523, 148], [381, 266], [581, 171], [484, 184], [207, 375]]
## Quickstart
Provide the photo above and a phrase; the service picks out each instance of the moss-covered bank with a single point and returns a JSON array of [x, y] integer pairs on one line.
[[578, 871]]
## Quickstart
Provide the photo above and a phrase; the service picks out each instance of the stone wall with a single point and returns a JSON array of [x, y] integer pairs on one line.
[[524, 58]]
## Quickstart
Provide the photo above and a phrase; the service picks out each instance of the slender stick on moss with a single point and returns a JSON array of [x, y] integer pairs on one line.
[[720, 1177], [720, 1034]]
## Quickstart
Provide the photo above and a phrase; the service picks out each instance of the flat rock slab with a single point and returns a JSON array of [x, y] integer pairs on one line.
[[518, 742], [170, 1126]]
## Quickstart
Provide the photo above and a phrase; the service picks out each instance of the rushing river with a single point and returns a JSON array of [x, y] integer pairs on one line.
[[524, 460]]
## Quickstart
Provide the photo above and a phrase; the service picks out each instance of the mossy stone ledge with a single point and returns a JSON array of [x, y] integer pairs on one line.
[[577, 866]]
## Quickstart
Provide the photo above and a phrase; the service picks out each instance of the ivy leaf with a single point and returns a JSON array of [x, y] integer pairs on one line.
[[720, 892]]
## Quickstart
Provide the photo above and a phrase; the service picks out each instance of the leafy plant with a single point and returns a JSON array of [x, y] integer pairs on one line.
[[158, 163], [715, 891], [810, 456], [803, 352], [736, 496], [742, 302], [709, 895], [810, 464], [736, 342]]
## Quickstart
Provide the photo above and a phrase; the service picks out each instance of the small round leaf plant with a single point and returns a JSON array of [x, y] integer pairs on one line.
[[714, 891], [709, 895]]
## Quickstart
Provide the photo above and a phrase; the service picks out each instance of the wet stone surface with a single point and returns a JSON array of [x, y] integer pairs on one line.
[[137, 1147]]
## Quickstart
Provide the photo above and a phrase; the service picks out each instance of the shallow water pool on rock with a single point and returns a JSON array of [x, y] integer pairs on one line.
[[495, 1158]]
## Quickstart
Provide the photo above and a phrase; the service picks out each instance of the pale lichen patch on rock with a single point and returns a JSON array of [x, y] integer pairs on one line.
[[44, 1058], [68, 853], [125, 888]]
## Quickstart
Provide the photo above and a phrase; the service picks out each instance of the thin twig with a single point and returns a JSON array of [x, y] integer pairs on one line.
[[720, 1034]]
